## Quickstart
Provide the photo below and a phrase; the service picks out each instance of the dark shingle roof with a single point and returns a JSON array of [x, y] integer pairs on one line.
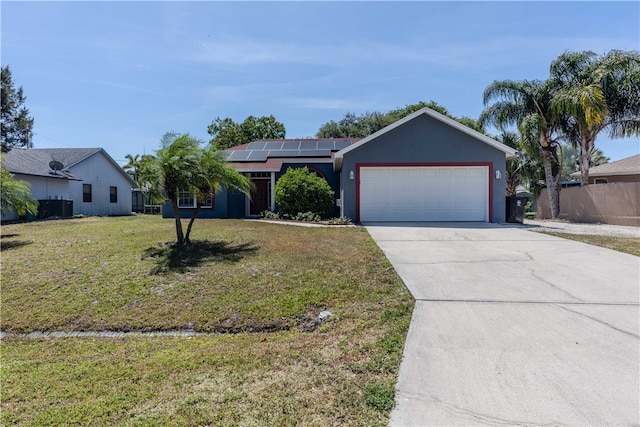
[[36, 161]]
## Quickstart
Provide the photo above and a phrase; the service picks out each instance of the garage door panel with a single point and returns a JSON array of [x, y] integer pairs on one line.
[[424, 193]]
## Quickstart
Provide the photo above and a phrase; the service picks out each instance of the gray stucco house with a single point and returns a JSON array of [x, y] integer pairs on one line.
[[86, 180], [264, 162], [424, 167]]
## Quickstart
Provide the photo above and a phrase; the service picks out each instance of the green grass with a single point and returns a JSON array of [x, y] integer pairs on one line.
[[623, 244], [264, 283]]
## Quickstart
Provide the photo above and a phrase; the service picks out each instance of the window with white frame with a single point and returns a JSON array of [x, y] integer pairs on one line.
[[186, 200]]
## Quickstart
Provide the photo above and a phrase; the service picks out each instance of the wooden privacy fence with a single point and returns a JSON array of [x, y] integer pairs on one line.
[[614, 203]]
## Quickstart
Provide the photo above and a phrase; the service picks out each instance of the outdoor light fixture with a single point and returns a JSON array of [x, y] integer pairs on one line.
[[498, 174], [352, 175]]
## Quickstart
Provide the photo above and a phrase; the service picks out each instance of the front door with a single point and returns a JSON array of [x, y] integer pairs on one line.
[[260, 196]]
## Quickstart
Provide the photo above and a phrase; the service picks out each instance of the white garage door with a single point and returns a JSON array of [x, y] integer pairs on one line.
[[424, 193]]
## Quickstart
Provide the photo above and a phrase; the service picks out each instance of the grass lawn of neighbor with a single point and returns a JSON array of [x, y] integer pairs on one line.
[[250, 293], [623, 244]]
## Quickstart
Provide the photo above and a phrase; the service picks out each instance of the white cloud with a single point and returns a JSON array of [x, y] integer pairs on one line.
[[342, 104], [486, 52]]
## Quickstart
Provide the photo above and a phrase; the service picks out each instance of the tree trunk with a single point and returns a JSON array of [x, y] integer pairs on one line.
[[585, 151], [510, 185], [552, 188], [176, 214], [193, 218]]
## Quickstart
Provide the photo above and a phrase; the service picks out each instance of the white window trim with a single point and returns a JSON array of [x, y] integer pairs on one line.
[[193, 204]]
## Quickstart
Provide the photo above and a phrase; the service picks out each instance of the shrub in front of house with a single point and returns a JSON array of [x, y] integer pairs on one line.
[[300, 190]]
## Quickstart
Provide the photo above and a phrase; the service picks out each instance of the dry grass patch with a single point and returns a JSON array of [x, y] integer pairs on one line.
[[119, 274], [622, 244]]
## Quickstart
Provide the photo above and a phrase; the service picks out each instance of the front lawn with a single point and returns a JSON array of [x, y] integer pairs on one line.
[[255, 288]]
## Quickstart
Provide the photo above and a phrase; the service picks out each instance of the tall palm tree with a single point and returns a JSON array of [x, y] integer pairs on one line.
[[527, 105], [132, 167], [596, 93]]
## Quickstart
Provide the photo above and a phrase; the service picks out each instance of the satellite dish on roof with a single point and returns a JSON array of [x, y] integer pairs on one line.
[[55, 165]]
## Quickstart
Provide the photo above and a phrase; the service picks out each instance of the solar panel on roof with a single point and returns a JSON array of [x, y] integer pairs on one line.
[[325, 145], [340, 144], [258, 145], [308, 145], [257, 155], [273, 145], [239, 156], [291, 145], [284, 153]]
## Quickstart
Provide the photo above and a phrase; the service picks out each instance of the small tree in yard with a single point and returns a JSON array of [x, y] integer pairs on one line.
[[300, 190], [182, 164]]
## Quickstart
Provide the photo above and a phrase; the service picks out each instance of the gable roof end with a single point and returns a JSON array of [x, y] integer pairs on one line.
[[35, 161], [509, 152]]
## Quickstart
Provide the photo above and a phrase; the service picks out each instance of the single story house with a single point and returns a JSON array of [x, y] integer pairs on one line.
[[623, 170], [424, 167], [69, 181], [264, 162]]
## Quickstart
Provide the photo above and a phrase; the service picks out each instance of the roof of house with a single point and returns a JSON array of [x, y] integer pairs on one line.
[[43, 161], [269, 154], [509, 152], [626, 166]]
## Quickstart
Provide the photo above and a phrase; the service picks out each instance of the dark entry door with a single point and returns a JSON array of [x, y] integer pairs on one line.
[[259, 196]]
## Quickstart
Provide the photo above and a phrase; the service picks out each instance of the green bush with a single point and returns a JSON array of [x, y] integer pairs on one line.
[[307, 217], [300, 190], [270, 214], [343, 220]]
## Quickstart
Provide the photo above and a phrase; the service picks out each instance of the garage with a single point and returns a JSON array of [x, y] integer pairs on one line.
[[423, 167], [423, 193]]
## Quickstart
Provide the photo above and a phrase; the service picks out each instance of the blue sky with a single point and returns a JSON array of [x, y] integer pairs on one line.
[[118, 75]]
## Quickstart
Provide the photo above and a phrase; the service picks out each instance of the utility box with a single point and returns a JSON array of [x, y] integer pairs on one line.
[[515, 208], [55, 207]]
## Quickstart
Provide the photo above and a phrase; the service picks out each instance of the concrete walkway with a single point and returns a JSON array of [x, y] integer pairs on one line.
[[513, 327]]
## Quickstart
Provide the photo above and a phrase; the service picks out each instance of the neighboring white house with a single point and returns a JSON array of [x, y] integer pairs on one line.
[[89, 177]]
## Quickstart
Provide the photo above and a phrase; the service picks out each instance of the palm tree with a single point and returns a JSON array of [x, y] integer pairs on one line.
[[512, 176], [183, 165], [571, 159], [214, 173], [594, 94], [15, 195], [132, 167], [527, 105]]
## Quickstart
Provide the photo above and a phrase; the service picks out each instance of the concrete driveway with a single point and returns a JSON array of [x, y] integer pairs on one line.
[[513, 327]]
